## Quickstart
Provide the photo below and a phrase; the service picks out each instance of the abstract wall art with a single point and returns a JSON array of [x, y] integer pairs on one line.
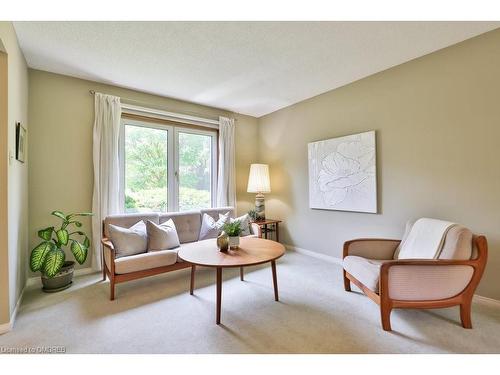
[[343, 173]]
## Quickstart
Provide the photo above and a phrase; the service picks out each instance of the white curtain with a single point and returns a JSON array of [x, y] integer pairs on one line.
[[226, 181], [106, 198]]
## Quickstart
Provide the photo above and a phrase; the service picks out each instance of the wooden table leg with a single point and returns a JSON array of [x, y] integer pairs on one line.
[[275, 280], [265, 231], [219, 293], [193, 270], [242, 273], [277, 232]]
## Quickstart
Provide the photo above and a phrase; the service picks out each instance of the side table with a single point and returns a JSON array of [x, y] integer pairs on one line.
[[267, 226]]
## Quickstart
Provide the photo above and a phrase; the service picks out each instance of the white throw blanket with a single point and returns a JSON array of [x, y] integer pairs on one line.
[[425, 239]]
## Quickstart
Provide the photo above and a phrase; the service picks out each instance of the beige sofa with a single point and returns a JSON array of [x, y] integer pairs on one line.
[[374, 266], [137, 266]]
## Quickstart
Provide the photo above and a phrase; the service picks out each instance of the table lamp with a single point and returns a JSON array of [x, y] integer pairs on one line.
[[258, 182]]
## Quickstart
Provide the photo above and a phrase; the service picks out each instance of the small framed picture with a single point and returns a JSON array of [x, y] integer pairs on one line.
[[20, 142]]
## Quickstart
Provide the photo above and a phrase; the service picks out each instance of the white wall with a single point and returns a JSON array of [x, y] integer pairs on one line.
[[438, 131], [17, 172]]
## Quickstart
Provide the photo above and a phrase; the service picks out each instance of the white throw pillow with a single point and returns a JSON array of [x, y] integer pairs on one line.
[[129, 241], [244, 224], [163, 236], [211, 228]]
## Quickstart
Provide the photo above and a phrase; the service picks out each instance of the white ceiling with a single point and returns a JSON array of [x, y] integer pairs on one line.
[[252, 68]]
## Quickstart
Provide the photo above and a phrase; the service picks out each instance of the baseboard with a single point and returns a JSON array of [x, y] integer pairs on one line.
[[487, 299], [335, 260], [36, 281], [314, 254], [6, 327]]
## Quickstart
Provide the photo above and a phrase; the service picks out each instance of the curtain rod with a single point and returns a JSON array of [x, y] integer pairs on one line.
[[196, 118]]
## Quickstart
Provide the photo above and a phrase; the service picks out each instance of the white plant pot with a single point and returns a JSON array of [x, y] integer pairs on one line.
[[234, 242]]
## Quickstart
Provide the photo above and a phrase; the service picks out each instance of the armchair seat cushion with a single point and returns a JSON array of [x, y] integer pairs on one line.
[[145, 261], [367, 271]]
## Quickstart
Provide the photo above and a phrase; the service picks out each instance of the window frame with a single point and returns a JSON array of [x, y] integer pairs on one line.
[[173, 130]]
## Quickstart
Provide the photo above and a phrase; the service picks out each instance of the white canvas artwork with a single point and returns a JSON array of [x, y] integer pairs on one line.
[[343, 174]]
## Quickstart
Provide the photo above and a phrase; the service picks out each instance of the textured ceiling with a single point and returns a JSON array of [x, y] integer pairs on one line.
[[252, 68]]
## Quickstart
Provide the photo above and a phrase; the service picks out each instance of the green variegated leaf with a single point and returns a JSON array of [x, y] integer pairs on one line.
[[63, 236], [79, 214], [79, 251], [46, 234], [86, 242], [77, 223], [38, 255], [54, 261], [59, 214]]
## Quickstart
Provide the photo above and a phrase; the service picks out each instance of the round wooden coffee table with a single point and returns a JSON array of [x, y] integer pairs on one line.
[[252, 251]]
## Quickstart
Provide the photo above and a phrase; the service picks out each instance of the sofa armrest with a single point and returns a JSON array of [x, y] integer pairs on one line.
[[108, 244], [425, 280], [108, 254], [371, 248], [255, 228]]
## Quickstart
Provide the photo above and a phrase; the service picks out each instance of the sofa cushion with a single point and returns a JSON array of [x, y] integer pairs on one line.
[[367, 271], [187, 224], [129, 241], [457, 244], [214, 212], [408, 226], [145, 261], [244, 224], [162, 236], [127, 220], [211, 228]]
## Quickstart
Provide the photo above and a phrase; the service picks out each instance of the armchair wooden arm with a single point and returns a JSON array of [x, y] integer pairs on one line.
[[372, 248]]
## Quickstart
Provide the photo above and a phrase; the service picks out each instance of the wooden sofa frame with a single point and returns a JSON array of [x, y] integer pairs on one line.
[[115, 278], [463, 299]]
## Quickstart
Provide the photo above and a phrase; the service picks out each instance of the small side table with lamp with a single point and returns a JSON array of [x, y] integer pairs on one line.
[[259, 182]]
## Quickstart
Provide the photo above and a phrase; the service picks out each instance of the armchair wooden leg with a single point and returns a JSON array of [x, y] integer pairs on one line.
[[111, 290], [103, 272], [347, 283], [385, 314], [465, 314]]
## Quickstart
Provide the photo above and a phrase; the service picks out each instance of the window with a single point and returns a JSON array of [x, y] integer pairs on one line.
[[167, 168]]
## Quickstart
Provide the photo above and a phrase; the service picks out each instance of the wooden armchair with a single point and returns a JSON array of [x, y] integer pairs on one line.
[[373, 266]]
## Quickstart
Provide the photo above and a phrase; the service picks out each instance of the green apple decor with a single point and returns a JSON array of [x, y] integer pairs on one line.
[[49, 258]]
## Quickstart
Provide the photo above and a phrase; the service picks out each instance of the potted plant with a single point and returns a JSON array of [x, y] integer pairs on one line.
[[49, 258], [253, 215], [233, 230]]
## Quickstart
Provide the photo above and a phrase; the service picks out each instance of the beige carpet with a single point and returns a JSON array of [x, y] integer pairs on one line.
[[315, 315]]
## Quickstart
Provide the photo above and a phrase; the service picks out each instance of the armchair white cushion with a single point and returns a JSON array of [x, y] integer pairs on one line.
[[367, 271]]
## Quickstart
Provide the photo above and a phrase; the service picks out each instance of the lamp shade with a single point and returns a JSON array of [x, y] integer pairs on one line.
[[258, 180]]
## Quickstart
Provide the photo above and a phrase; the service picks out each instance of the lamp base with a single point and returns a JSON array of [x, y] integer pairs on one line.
[[260, 207]]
